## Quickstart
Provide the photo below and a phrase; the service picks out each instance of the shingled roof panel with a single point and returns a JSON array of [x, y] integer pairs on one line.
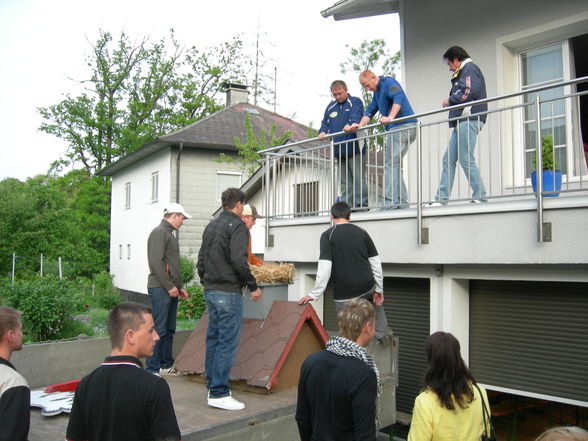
[[264, 345]]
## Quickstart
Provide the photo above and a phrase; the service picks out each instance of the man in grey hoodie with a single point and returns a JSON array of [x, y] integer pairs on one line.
[[165, 286]]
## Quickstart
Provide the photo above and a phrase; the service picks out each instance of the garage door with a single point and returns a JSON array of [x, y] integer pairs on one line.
[[407, 310], [531, 337]]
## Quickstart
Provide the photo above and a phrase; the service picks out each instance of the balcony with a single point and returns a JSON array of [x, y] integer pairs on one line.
[[512, 223]]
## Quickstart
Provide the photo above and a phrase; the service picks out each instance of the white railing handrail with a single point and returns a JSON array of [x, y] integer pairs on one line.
[[437, 111]]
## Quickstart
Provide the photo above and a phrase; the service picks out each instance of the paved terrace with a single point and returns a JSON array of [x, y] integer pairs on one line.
[[265, 414]]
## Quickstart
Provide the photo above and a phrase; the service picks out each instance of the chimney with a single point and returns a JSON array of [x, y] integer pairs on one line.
[[236, 93]]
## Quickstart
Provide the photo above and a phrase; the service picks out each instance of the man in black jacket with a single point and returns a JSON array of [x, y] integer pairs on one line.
[[338, 390], [224, 273], [15, 395], [467, 85]]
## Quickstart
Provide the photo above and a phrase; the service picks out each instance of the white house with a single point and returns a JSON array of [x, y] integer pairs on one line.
[[183, 167], [510, 277]]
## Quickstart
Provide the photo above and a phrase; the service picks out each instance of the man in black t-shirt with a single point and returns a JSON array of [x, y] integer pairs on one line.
[[350, 261], [120, 400]]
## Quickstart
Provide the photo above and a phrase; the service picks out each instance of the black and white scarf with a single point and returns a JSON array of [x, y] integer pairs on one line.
[[347, 348]]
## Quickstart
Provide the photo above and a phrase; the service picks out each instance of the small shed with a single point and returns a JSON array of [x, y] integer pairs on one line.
[[270, 351]]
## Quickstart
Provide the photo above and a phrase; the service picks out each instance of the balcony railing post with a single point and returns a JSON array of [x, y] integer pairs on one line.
[[332, 191], [267, 200], [419, 179], [539, 170]]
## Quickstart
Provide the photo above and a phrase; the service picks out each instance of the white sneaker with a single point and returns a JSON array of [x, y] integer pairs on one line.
[[226, 403], [475, 201], [171, 371], [435, 204]]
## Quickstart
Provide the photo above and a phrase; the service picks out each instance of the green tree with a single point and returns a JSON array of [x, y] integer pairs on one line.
[[89, 199], [248, 156], [38, 218], [373, 55], [136, 92]]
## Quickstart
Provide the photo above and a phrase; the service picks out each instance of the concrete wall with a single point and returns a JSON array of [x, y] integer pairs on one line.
[[495, 233], [50, 363], [132, 226]]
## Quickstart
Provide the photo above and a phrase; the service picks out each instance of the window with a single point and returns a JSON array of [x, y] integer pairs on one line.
[[226, 179], [541, 67], [120, 252], [128, 251], [128, 195], [154, 186], [306, 200]]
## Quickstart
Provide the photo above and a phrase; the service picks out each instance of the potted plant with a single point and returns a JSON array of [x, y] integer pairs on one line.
[[551, 177]]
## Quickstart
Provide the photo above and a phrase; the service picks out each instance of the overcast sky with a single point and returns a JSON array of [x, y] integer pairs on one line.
[[43, 44]]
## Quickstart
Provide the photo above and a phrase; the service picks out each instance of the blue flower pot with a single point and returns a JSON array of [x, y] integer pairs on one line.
[[551, 183]]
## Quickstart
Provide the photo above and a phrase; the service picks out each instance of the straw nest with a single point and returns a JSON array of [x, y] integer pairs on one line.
[[273, 273]]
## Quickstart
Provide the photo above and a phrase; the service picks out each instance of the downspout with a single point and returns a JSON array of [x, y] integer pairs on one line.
[[178, 160]]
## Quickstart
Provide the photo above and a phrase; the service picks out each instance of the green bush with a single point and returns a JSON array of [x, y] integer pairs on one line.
[[72, 329], [105, 294], [193, 307], [98, 321], [46, 303], [548, 161], [186, 270]]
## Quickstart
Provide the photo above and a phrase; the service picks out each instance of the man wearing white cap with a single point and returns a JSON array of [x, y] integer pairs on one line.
[[249, 216], [165, 286]]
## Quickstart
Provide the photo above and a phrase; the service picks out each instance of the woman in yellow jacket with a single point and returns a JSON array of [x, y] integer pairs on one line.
[[449, 406]]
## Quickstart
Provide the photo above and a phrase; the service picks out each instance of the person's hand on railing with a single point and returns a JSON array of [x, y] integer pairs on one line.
[[304, 300], [321, 135], [350, 128], [445, 103], [385, 120]]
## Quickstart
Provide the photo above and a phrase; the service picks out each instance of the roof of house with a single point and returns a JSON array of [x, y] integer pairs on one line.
[[346, 9], [263, 347], [215, 132]]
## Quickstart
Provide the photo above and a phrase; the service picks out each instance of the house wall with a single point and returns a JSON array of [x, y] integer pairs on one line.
[[460, 235], [258, 230], [494, 34], [491, 32], [132, 226], [199, 187]]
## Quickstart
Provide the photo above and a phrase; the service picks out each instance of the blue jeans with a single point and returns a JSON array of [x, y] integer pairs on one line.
[[381, 320], [462, 144], [397, 144], [164, 309], [353, 186], [225, 314]]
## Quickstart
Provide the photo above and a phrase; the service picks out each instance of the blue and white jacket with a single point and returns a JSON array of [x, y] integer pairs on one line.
[[389, 92], [467, 84], [338, 116]]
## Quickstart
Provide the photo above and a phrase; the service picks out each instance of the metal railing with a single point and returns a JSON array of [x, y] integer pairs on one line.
[[402, 168]]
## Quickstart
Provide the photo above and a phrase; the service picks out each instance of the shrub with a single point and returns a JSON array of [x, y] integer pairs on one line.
[[186, 270], [105, 294], [98, 321], [548, 161], [193, 307], [46, 303], [72, 329]]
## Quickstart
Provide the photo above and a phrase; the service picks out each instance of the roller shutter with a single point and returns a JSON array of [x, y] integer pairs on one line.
[[531, 337], [407, 310]]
